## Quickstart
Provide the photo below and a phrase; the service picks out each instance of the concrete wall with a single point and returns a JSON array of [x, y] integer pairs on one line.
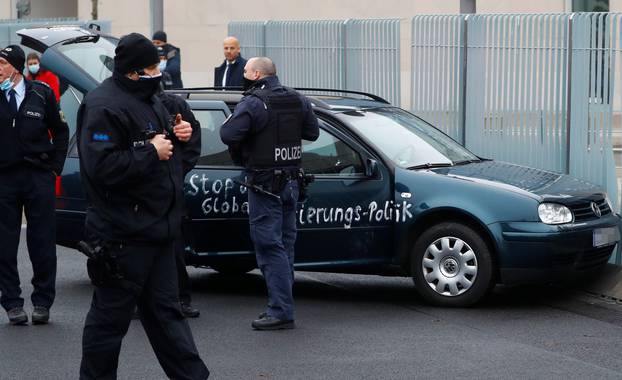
[[523, 6], [53, 8], [5, 9]]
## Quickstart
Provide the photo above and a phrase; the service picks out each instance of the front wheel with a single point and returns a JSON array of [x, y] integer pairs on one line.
[[451, 265]]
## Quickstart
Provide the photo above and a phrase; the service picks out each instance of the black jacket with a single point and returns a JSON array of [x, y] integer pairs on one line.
[[133, 196], [27, 134], [173, 65], [191, 150], [251, 116], [235, 75]]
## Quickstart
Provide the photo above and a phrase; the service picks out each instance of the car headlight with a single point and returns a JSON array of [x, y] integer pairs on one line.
[[554, 213]]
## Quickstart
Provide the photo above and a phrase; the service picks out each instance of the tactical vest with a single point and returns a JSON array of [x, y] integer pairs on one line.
[[279, 143]]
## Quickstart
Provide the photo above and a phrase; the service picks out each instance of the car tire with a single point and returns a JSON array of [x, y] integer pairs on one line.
[[451, 265], [233, 268]]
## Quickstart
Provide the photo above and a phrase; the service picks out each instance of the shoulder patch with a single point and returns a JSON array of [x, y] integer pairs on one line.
[[101, 137]]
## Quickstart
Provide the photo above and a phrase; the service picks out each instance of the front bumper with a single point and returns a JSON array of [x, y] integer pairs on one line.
[[533, 252]]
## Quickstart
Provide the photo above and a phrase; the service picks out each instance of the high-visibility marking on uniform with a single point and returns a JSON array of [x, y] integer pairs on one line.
[[100, 137]]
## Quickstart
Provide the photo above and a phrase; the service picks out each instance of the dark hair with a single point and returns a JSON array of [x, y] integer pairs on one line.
[[33, 56]]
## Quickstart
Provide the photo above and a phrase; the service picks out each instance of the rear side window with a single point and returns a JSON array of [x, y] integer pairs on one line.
[[70, 101], [213, 151]]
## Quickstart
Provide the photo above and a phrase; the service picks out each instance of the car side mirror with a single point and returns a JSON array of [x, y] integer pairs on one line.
[[371, 168]]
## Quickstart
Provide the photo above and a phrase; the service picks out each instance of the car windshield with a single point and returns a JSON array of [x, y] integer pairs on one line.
[[406, 139], [95, 57]]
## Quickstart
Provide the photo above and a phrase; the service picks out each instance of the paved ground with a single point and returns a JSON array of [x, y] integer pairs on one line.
[[350, 327]]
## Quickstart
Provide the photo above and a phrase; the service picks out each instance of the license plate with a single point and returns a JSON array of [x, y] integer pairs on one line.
[[606, 236]]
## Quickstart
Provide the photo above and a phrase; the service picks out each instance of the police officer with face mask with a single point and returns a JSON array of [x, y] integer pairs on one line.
[[33, 145], [264, 134], [130, 166]]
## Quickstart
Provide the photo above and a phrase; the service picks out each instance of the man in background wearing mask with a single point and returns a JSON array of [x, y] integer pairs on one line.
[[130, 166], [167, 80], [173, 58], [35, 72], [29, 163]]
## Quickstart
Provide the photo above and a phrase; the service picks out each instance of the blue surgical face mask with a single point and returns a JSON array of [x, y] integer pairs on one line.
[[162, 65], [33, 68], [8, 83]]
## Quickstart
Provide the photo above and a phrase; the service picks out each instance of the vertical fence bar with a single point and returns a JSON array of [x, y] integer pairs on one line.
[[251, 36], [438, 71]]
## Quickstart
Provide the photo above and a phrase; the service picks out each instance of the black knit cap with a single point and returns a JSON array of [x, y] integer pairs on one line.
[[159, 35], [134, 52], [15, 56]]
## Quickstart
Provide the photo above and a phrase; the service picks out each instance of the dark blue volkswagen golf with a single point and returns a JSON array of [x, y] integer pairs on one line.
[[392, 194]]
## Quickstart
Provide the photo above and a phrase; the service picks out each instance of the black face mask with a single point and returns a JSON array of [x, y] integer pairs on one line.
[[248, 84], [144, 88]]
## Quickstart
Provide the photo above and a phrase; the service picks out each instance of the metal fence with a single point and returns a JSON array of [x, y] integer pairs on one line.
[[251, 35], [372, 57], [438, 72], [307, 53], [361, 55], [594, 42], [516, 94]]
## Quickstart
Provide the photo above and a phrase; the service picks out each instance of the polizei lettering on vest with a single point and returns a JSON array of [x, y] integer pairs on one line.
[[287, 154]]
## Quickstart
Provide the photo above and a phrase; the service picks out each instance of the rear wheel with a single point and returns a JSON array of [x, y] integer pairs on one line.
[[233, 268], [451, 265]]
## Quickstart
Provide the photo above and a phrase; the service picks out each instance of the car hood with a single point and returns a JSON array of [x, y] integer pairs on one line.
[[542, 183]]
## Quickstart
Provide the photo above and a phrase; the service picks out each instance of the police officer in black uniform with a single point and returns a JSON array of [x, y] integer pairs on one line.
[[33, 146], [264, 134], [129, 164], [179, 110]]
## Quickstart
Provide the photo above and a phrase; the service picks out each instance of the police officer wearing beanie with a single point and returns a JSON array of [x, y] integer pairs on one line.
[[264, 134], [129, 165], [30, 160]]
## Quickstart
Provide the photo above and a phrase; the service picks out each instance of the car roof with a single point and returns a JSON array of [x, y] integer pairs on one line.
[[329, 102], [45, 37]]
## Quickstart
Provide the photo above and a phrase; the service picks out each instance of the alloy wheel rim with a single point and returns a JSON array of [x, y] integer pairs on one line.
[[449, 266]]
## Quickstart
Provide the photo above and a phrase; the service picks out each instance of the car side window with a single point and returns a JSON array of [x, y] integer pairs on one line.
[[70, 101], [330, 156], [213, 151]]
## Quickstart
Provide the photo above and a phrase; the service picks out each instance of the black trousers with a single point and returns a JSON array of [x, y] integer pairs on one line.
[[182, 274], [31, 190], [186, 240], [107, 322]]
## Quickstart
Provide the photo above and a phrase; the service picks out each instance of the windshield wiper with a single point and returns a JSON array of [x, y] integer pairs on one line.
[[464, 162], [82, 39], [430, 166]]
